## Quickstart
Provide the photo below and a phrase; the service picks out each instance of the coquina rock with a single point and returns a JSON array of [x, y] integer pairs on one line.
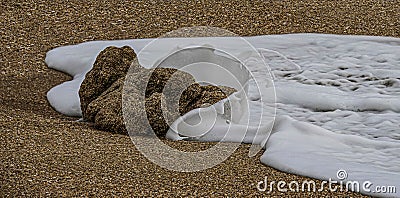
[[151, 98], [110, 65]]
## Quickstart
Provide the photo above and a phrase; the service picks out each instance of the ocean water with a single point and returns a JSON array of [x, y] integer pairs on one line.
[[337, 100]]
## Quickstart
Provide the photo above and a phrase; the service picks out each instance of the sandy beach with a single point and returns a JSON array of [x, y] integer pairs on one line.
[[44, 153]]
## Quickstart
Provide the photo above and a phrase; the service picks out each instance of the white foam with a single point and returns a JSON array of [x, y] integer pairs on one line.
[[337, 100]]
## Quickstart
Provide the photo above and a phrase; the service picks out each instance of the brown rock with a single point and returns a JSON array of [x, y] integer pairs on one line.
[[210, 95], [145, 97], [111, 64], [157, 113], [105, 110]]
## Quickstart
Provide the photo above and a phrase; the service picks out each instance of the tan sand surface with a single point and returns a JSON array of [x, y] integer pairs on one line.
[[43, 153]]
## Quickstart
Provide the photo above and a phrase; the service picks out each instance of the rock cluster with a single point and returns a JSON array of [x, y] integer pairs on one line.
[[150, 97]]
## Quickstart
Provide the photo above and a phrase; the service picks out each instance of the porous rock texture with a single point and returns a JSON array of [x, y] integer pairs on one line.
[[117, 87]]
